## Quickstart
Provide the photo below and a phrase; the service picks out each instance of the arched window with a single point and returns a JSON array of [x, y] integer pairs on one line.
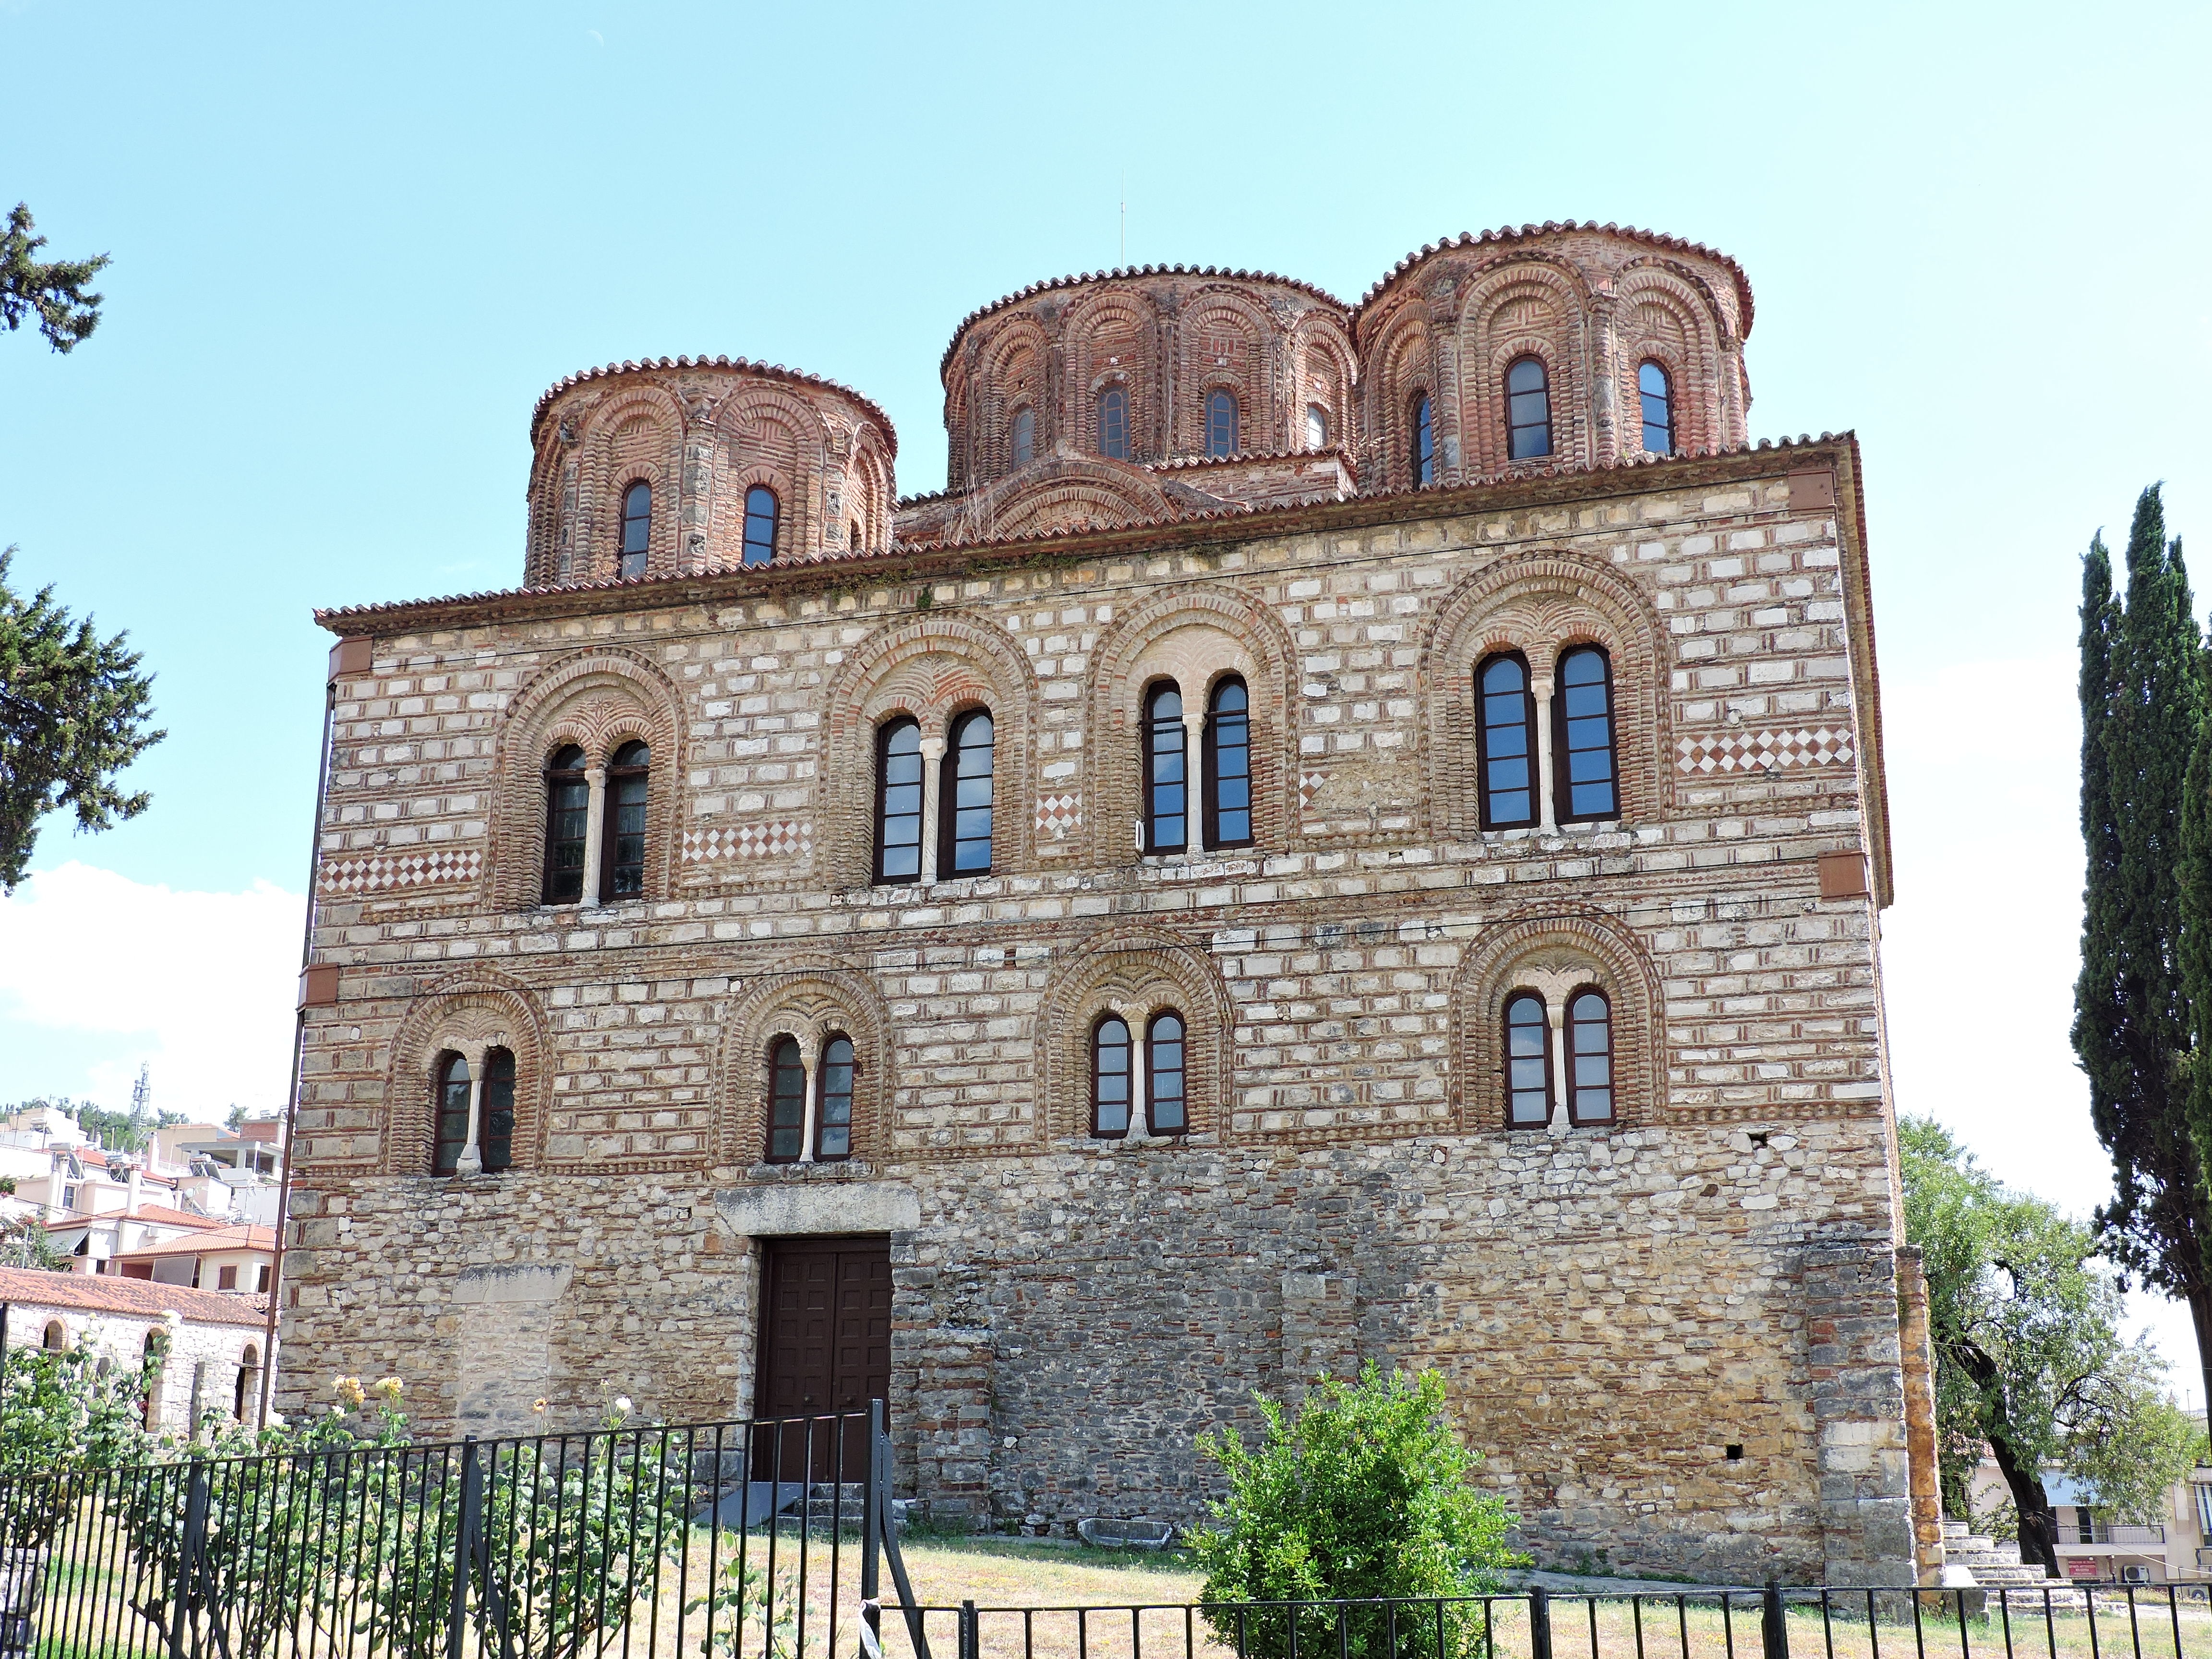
[[1316, 427], [898, 801], [56, 1339], [1024, 445], [1528, 410], [1528, 1062], [1582, 730], [1506, 739], [1164, 1113], [760, 525], [964, 848], [833, 1137], [1657, 393], [1220, 423], [786, 1101], [242, 1391], [567, 812], [1590, 1057], [1228, 765], [1167, 803], [1113, 423], [1109, 1077], [622, 862], [495, 1137], [1423, 426], [636, 527], [449, 1089]]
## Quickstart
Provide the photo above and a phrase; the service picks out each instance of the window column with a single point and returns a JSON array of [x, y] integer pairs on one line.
[[932, 755], [1140, 1060], [1548, 812], [1555, 1013], [810, 1061], [595, 818], [470, 1161], [1194, 802]]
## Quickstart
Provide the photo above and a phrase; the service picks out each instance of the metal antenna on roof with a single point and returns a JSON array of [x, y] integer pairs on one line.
[[1125, 216]]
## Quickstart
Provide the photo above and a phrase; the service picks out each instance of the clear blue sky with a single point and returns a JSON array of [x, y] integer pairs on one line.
[[352, 246]]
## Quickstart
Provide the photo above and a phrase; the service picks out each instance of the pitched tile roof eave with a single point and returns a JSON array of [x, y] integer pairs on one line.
[[766, 371]]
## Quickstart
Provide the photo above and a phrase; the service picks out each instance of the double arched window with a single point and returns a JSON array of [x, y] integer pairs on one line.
[[1512, 734], [1527, 408], [760, 525], [577, 872], [1656, 394], [636, 528], [1228, 778], [1024, 439], [1113, 413], [1224, 805], [1167, 771], [1220, 423], [1534, 1074], [1117, 1070], [797, 1134], [1420, 422], [467, 1112], [966, 799]]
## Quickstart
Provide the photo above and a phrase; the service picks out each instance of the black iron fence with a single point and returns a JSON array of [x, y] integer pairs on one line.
[[773, 1539]]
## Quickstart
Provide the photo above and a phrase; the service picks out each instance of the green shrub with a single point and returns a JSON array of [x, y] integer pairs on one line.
[[1368, 1493]]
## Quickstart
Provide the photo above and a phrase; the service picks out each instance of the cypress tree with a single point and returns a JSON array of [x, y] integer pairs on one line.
[[2142, 707]]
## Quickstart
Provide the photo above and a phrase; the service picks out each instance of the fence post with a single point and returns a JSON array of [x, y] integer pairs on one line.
[[1539, 1623], [971, 1635], [1773, 1624], [468, 1523], [188, 1558], [871, 1543], [879, 1476]]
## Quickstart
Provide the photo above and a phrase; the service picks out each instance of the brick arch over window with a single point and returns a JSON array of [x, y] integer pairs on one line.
[[1227, 632], [635, 434], [932, 668], [1555, 953], [597, 700], [1665, 316], [1136, 971], [1530, 307], [1213, 325], [1400, 366], [810, 1000], [1072, 492], [1325, 375], [1012, 374], [765, 436], [556, 477], [1539, 604], [1117, 323], [468, 1014]]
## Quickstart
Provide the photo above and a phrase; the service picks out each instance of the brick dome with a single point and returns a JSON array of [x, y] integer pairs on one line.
[[1166, 338], [703, 434]]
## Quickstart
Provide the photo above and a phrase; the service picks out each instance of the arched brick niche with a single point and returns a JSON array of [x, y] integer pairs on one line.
[[933, 668], [703, 433], [1194, 637], [1134, 972], [1539, 604], [598, 701], [1553, 954], [468, 1014], [810, 1001], [1591, 303]]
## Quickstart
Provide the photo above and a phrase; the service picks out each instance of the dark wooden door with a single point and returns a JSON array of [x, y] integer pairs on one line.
[[825, 1344]]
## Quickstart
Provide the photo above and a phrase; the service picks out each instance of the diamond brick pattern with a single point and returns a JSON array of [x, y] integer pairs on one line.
[[1059, 814], [1761, 751], [1308, 785], [782, 838], [401, 872]]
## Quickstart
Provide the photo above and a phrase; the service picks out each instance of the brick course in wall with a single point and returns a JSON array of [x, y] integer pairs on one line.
[[1676, 1336]]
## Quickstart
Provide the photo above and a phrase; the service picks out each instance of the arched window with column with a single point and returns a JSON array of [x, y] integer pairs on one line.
[[786, 1101], [1421, 428], [1113, 419], [833, 1133], [1220, 423], [760, 510], [449, 1107], [1656, 392], [1527, 1061], [965, 798], [1527, 408], [567, 816], [1228, 770], [1109, 1077], [495, 1133], [1165, 1107], [1167, 772], [1590, 1057], [1024, 438], [622, 861], [898, 801], [1505, 741], [1582, 737], [636, 528]]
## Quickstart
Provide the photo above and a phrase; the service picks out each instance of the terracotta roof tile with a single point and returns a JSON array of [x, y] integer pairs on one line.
[[236, 1237], [139, 1297], [159, 1214], [767, 371]]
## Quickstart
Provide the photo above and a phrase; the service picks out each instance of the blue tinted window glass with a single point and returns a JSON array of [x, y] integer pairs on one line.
[[1528, 1062], [636, 527], [1221, 423], [1528, 410], [760, 525], [1425, 442], [787, 1101], [967, 796], [1164, 1095], [833, 1135], [1589, 1058], [1229, 737], [1109, 1077], [1584, 704], [1114, 423], [1507, 741], [898, 814], [1166, 792], [1657, 397]]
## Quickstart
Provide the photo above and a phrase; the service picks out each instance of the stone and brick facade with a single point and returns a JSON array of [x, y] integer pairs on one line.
[[1676, 1334]]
